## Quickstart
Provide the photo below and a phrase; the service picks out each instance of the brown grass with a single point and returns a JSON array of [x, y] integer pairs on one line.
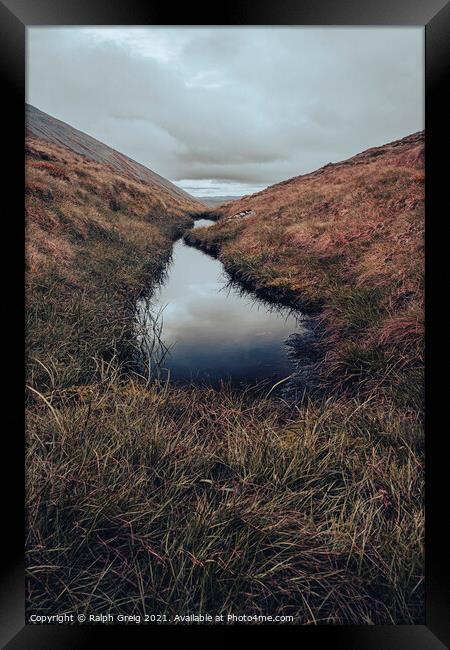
[[95, 241], [173, 501], [344, 243], [156, 499], [67, 196]]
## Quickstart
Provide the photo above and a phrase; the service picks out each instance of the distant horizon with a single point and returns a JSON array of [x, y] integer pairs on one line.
[[214, 188], [211, 188], [228, 111]]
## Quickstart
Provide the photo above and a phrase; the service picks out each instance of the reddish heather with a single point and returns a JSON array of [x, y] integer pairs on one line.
[[55, 132], [345, 242], [68, 195]]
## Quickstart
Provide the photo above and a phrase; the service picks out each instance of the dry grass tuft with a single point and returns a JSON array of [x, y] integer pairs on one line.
[[167, 500]]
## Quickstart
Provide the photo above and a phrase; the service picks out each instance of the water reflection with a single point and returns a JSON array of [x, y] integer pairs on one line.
[[213, 331], [199, 223]]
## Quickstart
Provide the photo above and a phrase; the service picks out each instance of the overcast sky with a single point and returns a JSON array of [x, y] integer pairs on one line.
[[228, 111]]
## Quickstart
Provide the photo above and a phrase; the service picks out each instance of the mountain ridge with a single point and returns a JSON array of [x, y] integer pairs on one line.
[[344, 243], [402, 154], [50, 129]]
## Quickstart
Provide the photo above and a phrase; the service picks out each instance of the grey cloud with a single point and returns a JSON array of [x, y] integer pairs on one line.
[[249, 105]]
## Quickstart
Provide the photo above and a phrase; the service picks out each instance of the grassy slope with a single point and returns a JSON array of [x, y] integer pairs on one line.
[[162, 499], [345, 242], [48, 129], [95, 240]]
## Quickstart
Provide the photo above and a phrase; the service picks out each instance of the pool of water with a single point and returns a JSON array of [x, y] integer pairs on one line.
[[213, 331], [202, 222]]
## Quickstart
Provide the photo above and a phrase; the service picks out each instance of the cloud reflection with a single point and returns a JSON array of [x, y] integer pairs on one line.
[[214, 332]]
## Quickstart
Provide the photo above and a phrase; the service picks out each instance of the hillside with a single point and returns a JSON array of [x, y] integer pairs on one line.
[[344, 243], [96, 237], [55, 132]]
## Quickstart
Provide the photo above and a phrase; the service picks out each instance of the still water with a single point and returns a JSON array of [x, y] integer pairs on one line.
[[213, 330]]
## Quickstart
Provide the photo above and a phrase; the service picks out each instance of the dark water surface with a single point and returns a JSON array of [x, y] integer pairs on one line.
[[213, 330]]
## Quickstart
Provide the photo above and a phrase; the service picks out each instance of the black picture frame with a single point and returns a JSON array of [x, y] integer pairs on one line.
[[15, 16]]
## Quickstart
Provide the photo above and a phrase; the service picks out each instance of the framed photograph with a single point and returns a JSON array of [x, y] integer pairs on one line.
[[223, 238]]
